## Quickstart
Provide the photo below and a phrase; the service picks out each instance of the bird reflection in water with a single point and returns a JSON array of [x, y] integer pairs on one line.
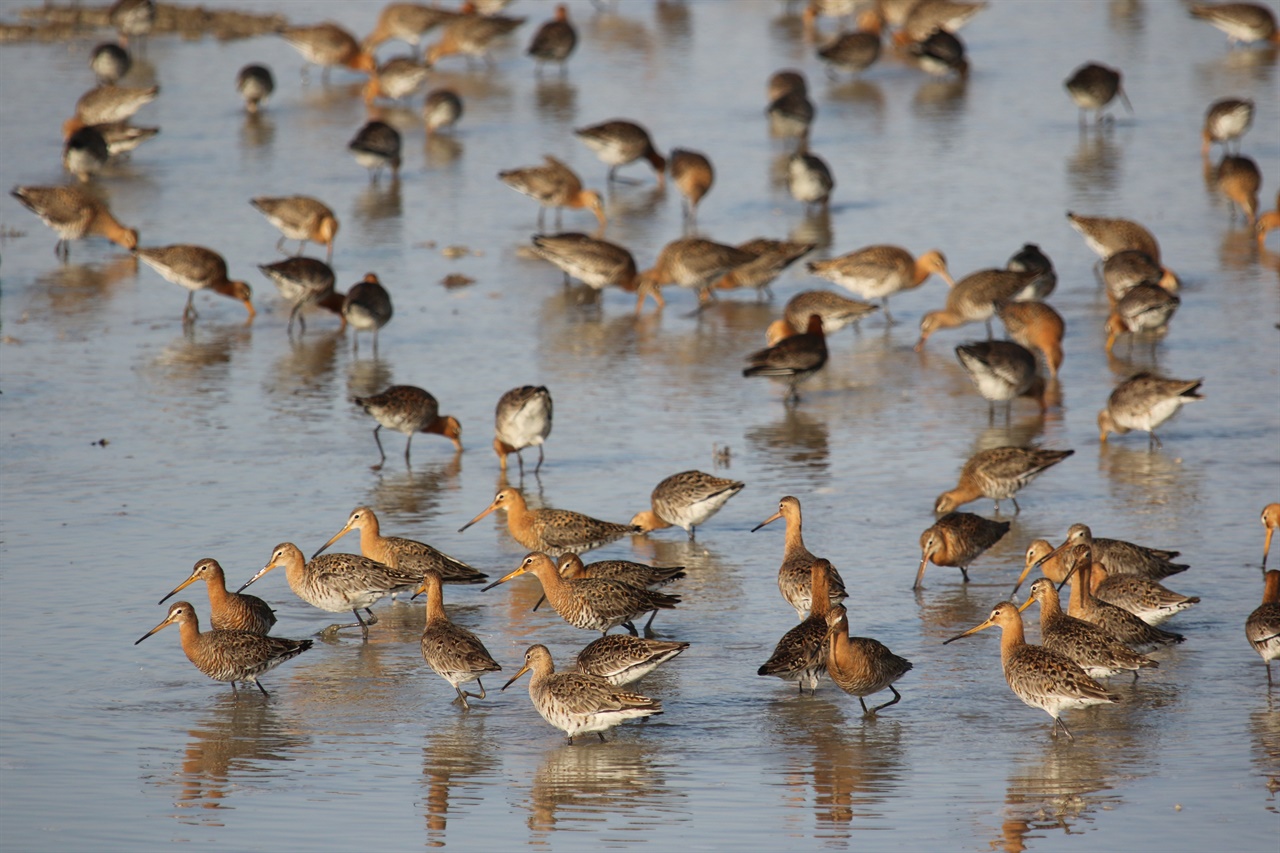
[[798, 443], [257, 134], [367, 377], [1264, 732], [301, 382], [867, 99], [377, 211], [556, 99], [412, 498], [1136, 477], [232, 750], [853, 765], [814, 228], [78, 289], [196, 366], [618, 788], [631, 203], [458, 767], [610, 33], [442, 149], [1095, 163], [1059, 788], [941, 101]]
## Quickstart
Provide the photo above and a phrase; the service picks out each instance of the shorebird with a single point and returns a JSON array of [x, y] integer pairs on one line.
[[554, 41], [1226, 120], [577, 703], [957, 539], [974, 299], [1143, 402], [338, 582], [406, 555], [1116, 621], [1238, 179], [1036, 326], [132, 18], [793, 574], [85, 153], [1119, 557], [1262, 628], [693, 175], [228, 655], [1144, 308], [553, 531], [1271, 521], [854, 51], [809, 178], [228, 611], [196, 268], [686, 500], [792, 359], [376, 146], [942, 53], [406, 22], [1107, 236], [835, 310], [998, 474], [328, 45], [1244, 23], [596, 263], [772, 257], [471, 35], [619, 142], [255, 84], [108, 105], [927, 16], [1092, 649], [367, 307], [303, 282], [1092, 86], [1037, 676], [395, 79], [74, 214], [441, 109], [1128, 268], [522, 419], [790, 111], [1143, 597], [621, 659], [408, 409], [1267, 223], [1002, 371], [453, 653], [690, 262], [861, 666], [593, 604], [1030, 258], [109, 63], [554, 185], [878, 272], [301, 218], [801, 654]]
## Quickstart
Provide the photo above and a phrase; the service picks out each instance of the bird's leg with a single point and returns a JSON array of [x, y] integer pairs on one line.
[[1058, 721], [482, 692], [541, 599], [407, 445], [601, 736], [631, 628], [865, 712], [965, 573], [462, 697], [897, 697], [382, 456], [537, 467], [1016, 509], [260, 687]]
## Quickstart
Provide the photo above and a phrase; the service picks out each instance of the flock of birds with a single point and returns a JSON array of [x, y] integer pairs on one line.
[[1116, 598]]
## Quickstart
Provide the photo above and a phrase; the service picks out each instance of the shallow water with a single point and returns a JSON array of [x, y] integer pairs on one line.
[[228, 439]]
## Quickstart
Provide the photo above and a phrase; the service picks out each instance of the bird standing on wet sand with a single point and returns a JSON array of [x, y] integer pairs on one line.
[[861, 666], [1244, 23], [621, 658], [228, 611], [301, 218], [339, 582], [1037, 676], [1036, 326], [453, 653], [328, 45], [228, 655], [522, 419], [1092, 86], [1262, 628], [255, 84], [1271, 521], [693, 175], [74, 214], [408, 409], [554, 41], [593, 604], [1143, 402], [801, 654], [552, 531], [406, 555], [1225, 122], [1002, 371], [196, 268], [957, 539], [998, 474], [596, 263], [878, 272], [793, 574], [619, 142], [377, 146], [577, 703], [691, 262], [303, 282], [792, 359], [1092, 649], [367, 307], [554, 185], [686, 500]]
